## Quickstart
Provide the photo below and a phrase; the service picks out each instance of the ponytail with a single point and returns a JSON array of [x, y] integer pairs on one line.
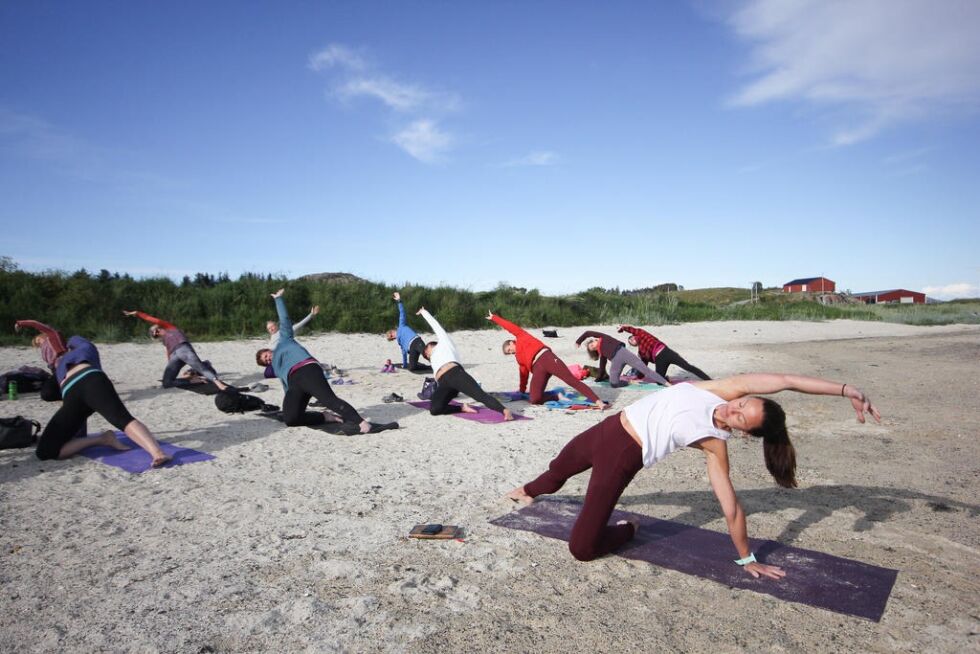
[[776, 447]]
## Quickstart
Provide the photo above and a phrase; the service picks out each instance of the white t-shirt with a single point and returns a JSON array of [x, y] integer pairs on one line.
[[445, 351], [673, 418]]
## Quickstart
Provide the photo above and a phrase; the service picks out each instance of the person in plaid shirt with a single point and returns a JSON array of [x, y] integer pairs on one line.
[[652, 349]]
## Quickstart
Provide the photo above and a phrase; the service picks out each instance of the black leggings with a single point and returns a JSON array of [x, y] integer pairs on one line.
[[416, 349], [93, 393], [306, 382], [453, 382], [667, 356]]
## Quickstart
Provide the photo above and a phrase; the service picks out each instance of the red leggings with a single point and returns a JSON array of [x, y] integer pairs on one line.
[[547, 365], [615, 458]]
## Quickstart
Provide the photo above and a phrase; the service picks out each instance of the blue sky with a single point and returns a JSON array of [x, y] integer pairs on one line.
[[556, 145]]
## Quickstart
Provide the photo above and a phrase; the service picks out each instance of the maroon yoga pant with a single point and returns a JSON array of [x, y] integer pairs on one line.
[[547, 365], [615, 458]]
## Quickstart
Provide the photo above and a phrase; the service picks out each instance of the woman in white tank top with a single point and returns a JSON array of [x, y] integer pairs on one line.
[[701, 415]]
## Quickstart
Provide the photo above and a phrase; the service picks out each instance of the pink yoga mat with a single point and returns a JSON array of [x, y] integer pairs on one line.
[[482, 414]]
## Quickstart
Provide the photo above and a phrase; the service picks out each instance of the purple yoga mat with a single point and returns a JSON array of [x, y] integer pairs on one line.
[[137, 459], [813, 578], [482, 414]]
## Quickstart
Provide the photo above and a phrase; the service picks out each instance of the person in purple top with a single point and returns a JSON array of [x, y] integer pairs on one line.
[[606, 348], [85, 390], [180, 352]]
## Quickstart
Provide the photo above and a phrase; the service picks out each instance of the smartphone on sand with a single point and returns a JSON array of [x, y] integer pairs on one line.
[[436, 531]]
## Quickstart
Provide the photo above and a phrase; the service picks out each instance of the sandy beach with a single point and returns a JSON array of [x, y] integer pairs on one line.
[[292, 540]]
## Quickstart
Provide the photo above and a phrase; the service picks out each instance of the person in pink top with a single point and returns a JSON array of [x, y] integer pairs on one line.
[[700, 415], [180, 352]]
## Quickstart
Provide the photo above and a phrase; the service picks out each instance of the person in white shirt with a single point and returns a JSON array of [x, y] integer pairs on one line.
[[701, 415], [450, 376]]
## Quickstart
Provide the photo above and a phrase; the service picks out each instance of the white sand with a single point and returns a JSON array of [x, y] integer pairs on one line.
[[294, 540]]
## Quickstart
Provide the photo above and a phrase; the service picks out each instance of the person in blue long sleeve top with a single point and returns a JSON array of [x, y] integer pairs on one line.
[[85, 390], [411, 344], [302, 378]]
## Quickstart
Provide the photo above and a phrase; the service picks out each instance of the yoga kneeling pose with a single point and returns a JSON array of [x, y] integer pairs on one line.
[[701, 415], [85, 390], [303, 378], [652, 350], [604, 347], [537, 361], [452, 379], [410, 343], [180, 352]]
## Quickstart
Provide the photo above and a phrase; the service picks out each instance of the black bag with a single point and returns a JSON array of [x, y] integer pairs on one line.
[[429, 386], [29, 379], [550, 333], [16, 432], [231, 401]]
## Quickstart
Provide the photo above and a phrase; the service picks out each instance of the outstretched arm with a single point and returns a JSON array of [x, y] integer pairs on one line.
[[302, 323], [716, 452], [587, 334], [437, 329], [506, 324], [285, 324], [150, 319], [730, 388]]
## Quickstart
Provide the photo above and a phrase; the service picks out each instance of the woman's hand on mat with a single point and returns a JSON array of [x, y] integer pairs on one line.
[[861, 403], [278, 293], [397, 296], [762, 570]]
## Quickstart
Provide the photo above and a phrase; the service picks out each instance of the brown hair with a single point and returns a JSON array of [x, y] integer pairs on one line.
[[425, 352], [593, 354], [776, 446], [503, 347], [258, 356]]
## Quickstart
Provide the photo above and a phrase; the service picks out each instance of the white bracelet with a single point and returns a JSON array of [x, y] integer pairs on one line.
[[747, 560]]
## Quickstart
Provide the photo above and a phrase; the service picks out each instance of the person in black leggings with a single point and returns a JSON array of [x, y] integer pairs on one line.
[[303, 378], [85, 390]]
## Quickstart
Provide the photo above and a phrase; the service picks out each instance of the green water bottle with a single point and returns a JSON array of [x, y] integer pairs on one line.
[[12, 390]]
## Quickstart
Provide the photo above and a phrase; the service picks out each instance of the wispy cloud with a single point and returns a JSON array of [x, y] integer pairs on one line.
[[34, 138], [424, 140], [535, 158], [879, 63], [952, 291], [351, 77], [336, 55]]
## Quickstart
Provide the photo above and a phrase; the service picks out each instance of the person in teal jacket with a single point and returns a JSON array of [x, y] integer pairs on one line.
[[303, 378]]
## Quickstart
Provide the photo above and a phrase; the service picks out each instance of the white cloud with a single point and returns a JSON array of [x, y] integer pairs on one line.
[[952, 291], [535, 158], [880, 62], [336, 55], [400, 97], [424, 140]]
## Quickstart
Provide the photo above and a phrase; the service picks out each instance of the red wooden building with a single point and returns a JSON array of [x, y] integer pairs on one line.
[[810, 285], [899, 295]]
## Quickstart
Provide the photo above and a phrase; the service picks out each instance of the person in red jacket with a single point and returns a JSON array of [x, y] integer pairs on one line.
[[180, 352], [537, 361], [652, 350]]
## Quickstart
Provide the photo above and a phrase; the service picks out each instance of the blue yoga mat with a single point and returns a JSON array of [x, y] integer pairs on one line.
[[137, 460], [813, 578]]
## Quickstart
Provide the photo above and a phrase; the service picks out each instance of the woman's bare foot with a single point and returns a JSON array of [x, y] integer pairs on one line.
[[109, 439], [469, 409], [160, 459], [519, 496], [508, 415], [365, 426]]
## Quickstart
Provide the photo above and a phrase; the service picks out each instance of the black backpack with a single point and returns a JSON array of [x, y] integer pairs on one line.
[[17, 432], [231, 401]]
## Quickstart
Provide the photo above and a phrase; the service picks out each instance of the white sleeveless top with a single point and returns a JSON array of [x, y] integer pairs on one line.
[[674, 418]]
